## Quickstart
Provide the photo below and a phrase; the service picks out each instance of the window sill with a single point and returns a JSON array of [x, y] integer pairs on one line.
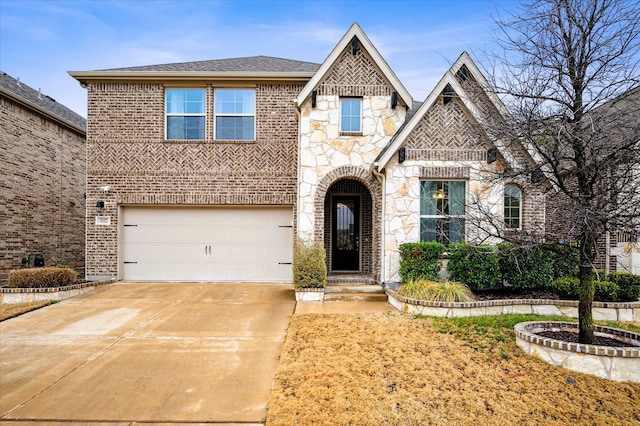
[[210, 141], [350, 133]]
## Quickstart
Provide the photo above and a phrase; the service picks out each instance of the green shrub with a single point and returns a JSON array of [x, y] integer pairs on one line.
[[478, 266], [537, 267], [41, 277], [569, 288], [420, 260], [446, 291], [628, 285], [309, 265]]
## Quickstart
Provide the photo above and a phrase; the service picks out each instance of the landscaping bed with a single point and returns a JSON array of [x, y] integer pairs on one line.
[[391, 368]]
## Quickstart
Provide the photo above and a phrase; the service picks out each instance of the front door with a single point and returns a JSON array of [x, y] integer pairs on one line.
[[345, 233]]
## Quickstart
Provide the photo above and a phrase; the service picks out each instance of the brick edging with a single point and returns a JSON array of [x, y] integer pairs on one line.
[[526, 331], [508, 302], [54, 289]]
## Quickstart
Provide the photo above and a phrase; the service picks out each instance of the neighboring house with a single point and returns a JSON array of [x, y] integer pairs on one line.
[[42, 206], [209, 171]]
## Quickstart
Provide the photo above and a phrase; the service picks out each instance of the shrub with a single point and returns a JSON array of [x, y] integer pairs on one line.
[[420, 260], [569, 287], [478, 266], [446, 291], [309, 265], [628, 285], [42, 277], [535, 268]]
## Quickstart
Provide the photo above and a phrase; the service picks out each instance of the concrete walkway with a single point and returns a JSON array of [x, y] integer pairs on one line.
[[146, 353]]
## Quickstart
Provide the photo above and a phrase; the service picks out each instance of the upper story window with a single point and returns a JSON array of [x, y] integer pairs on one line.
[[442, 211], [351, 115], [235, 113], [512, 207], [185, 113]]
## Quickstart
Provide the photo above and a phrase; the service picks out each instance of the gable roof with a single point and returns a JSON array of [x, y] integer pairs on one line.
[[232, 68], [43, 104], [448, 79], [354, 31]]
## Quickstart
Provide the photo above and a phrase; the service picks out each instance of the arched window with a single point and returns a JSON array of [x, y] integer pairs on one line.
[[512, 207]]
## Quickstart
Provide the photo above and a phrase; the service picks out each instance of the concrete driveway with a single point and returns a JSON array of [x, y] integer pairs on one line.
[[146, 352]]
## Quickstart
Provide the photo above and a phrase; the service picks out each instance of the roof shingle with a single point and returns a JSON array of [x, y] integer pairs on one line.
[[26, 93]]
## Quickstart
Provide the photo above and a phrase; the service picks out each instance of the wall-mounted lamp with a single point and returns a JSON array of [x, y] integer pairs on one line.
[[99, 205]]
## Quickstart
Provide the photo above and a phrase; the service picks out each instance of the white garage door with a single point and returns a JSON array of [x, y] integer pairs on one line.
[[207, 244]]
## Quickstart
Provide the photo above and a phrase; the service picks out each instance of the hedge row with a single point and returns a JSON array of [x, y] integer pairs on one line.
[[604, 291], [42, 277], [488, 266]]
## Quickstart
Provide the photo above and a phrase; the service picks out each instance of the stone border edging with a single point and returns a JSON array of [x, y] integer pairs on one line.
[[602, 311], [9, 295], [614, 363]]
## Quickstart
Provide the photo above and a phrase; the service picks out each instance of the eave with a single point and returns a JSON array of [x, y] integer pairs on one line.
[[43, 111]]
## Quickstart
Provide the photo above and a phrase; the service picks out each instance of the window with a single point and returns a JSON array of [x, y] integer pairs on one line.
[[512, 207], [235, 111], [442, 211], [351, 115], [185, 112]]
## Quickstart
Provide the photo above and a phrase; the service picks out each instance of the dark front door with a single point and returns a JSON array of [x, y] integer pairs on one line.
[[345, 233]]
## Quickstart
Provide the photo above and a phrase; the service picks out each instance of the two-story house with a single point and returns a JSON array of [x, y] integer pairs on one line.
[[42, 164], [209, 171]]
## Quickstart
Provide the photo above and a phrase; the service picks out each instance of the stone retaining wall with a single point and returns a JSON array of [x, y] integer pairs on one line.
[[24, 295], [620, 364], [602, 311]]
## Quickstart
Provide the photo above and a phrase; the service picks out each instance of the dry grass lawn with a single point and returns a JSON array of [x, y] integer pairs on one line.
[[394, 369], [11, 310]]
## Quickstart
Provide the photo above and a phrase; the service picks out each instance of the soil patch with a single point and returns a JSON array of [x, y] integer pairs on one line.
[[397, 369], [572, 337]]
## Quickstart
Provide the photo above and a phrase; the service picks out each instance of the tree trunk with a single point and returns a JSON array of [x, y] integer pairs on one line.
[[585, 315]]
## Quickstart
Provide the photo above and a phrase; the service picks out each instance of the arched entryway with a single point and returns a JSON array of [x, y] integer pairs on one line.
[[348, 227]]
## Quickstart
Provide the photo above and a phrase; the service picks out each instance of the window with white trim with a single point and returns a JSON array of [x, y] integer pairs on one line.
[[351, 115], [235, 114], [442, 211], [185, 111], [512, 207]]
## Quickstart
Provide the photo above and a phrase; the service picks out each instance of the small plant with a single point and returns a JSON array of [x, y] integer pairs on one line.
[[309, 265], [569, 288], [420, 260], [446, 291]]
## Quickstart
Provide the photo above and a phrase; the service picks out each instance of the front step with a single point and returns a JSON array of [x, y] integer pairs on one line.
[[355, 297]]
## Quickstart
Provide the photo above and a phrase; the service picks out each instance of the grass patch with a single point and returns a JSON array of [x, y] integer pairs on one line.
[[395, 369], [11, 310]]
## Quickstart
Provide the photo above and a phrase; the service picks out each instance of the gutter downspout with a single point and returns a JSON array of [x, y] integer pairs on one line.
[[382, 179]]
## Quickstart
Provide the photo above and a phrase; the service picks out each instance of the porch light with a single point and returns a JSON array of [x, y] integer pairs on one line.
[[99, 206]]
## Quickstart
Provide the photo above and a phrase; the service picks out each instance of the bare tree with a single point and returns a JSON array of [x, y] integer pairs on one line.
[[568, 71]]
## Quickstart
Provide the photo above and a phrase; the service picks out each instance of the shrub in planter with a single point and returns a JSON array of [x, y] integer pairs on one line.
[[41, 277], [569, 287], [446, 291], [478, 266], [628, 285], [420, 260], [537, 267], [309, 265]]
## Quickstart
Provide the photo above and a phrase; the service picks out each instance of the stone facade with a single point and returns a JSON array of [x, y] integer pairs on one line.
[[127, 151], [42, 203]]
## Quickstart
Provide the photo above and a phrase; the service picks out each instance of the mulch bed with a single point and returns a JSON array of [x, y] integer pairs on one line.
[[504, 294], [572, 337]]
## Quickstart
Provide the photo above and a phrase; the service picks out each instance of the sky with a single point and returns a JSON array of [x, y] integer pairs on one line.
[[40, 41]]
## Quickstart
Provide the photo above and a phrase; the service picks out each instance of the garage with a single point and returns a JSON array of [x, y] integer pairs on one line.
[[215, 244]]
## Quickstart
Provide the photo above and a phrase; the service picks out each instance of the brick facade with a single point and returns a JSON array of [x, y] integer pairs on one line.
[[128, 152], [42, 205]]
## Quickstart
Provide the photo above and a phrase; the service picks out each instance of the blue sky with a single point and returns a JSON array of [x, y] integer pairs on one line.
[[41, 40]]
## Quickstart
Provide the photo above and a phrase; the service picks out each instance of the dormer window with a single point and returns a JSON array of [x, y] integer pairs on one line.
[[351, 115]]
